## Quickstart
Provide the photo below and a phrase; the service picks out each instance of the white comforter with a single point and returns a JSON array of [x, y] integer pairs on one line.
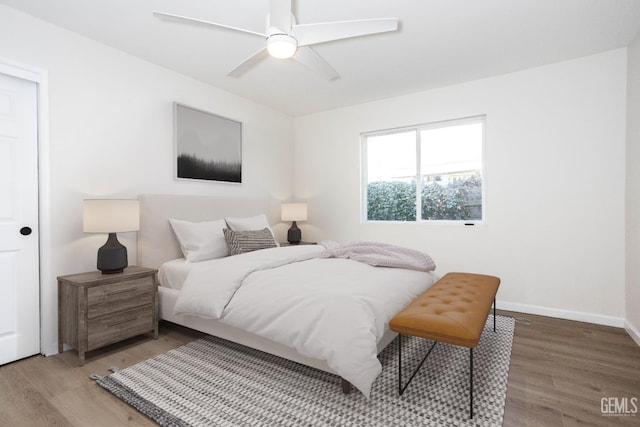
[[330, 309]]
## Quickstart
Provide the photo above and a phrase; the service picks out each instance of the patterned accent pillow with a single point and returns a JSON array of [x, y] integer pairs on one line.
[[241, 242]]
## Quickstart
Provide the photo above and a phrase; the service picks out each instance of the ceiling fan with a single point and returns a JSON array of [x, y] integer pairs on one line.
[[284, 38]]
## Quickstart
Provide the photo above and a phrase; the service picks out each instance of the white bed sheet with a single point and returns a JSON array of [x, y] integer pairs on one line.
[[335, 310], [172, 274], [167, 301]]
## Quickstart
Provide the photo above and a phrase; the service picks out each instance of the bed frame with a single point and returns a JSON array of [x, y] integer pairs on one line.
[[158, 244]]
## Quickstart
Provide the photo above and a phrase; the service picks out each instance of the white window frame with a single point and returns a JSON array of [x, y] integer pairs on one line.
[[418, 128]]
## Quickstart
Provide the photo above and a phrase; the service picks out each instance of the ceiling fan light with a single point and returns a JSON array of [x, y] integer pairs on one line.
[[282, 46]]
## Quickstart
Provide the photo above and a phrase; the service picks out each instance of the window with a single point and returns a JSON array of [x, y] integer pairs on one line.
[[431, 172]]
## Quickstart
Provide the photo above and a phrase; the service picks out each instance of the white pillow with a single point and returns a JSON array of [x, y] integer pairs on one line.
[[251, 223], [200, 241]]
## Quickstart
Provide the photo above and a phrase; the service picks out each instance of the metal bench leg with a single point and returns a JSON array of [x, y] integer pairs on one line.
[[494, 314], [401, 389], [400, 364], [471, 383]]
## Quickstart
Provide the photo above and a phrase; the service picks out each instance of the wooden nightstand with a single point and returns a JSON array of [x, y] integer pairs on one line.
[[297, 244], [95, 309]]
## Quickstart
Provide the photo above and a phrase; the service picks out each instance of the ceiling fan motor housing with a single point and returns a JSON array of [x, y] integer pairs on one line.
[[282, 45]]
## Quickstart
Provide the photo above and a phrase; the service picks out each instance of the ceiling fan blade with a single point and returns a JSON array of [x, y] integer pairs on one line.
[[310, 59], [308, 34], [165, 15], [280, 15], [248, 63]]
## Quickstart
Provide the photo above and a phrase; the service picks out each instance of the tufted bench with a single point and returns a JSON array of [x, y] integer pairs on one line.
[[454, 310]]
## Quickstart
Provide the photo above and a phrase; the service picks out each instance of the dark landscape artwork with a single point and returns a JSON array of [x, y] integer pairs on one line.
[[207, 146]]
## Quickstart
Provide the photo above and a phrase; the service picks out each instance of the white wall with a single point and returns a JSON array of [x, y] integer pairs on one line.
[[556, 238], [111, 130], [554, 173], [633, 191]]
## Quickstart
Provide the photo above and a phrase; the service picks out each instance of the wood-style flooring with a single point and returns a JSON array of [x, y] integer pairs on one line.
[[560, 371]]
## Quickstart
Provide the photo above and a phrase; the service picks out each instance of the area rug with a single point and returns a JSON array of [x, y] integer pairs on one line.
[[213, 382]]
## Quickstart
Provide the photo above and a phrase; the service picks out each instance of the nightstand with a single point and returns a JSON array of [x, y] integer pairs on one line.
[[95, 309], [298, 244]]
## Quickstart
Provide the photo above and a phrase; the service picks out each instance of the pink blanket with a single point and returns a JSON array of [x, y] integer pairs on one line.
[[380, 255]]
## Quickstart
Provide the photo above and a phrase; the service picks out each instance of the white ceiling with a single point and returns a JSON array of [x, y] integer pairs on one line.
[[440, 42]]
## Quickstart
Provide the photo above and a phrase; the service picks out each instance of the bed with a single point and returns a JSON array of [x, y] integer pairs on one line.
[[158, 248]]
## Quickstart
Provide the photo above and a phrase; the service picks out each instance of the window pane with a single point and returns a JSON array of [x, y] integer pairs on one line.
[[451, 166], [391, 177]]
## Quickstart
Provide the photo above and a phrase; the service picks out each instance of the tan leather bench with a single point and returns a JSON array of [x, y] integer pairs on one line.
[[453, 310]]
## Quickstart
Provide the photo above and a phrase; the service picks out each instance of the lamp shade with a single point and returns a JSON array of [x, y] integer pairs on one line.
[[293, 212], [111, 215]]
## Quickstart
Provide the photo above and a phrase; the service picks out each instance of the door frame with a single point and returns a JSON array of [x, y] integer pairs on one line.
[[48, 292]]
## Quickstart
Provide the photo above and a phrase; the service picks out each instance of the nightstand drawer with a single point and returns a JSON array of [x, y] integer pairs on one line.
[[121, 296], [96, 309], [115, 327]]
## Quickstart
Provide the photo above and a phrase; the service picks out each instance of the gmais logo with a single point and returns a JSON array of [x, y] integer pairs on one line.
[[619, 406]]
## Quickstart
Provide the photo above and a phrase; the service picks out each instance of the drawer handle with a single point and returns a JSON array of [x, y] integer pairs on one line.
[[120, 322], [124, 291]]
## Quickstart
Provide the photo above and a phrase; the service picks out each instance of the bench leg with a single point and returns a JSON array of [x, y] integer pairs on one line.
[[470, 383], [494, 314], [402, 388]]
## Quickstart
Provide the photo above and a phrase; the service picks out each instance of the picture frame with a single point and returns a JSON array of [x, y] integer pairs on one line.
[[206, 146]]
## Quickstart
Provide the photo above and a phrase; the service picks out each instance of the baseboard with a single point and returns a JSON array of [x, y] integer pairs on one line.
[[632, 331], [598, 319]]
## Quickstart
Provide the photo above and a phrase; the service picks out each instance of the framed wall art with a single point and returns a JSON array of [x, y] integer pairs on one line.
[[207, 146]]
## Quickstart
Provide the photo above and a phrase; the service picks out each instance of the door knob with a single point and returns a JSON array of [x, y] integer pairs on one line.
[[25, 231]]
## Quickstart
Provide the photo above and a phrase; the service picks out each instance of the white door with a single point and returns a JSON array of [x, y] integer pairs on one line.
[[19, 264]]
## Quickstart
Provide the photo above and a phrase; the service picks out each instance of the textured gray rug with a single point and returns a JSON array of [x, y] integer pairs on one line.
[[213, 382]]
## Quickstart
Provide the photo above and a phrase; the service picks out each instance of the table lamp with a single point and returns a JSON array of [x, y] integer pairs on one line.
[[111, 216], [294, 212]]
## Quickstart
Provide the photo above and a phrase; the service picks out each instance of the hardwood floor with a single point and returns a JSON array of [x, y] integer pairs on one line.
[[55, 391], [560, 370]]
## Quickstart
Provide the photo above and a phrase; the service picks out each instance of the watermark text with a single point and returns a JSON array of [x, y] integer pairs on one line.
[[619, 406]]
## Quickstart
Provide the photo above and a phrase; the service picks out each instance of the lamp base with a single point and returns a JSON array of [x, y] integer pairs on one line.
[[112, 257], [294, 235]]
